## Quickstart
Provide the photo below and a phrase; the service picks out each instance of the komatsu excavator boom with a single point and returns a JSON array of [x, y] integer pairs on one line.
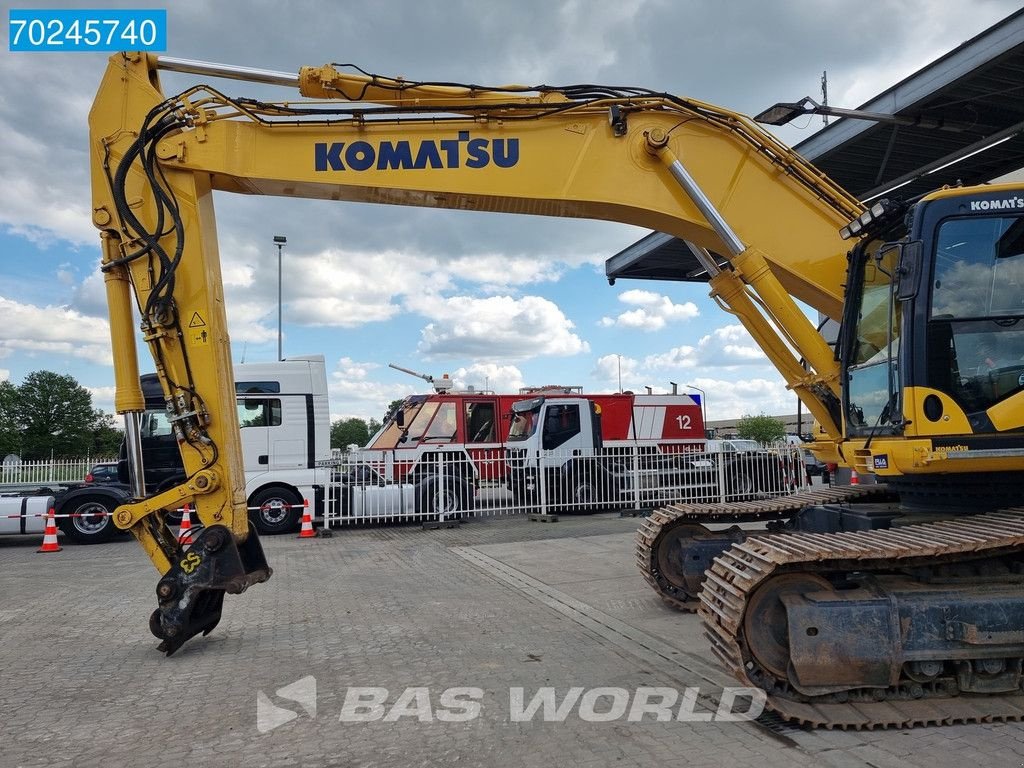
[[899, 397]]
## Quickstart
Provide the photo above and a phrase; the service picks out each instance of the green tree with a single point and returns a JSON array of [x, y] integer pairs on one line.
[[764, 429], [54, 415], [345, 432], [106, 437], [10, 438], [393, 406]]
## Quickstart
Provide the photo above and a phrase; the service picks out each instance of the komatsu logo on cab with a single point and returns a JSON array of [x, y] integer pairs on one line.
[[1008, 204], [405, 155]]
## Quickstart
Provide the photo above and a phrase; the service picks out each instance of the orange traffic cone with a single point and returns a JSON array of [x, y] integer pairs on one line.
[[307, 531], [185, 529], [854, 479], [50, 535]]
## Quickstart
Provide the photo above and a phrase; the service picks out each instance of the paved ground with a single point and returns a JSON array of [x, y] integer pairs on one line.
[[495, 606]]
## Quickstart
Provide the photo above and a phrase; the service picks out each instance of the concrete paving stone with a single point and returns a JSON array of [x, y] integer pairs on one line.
[[391, 608]]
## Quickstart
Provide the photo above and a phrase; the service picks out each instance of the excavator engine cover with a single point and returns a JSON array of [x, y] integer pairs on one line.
[[190, 595]]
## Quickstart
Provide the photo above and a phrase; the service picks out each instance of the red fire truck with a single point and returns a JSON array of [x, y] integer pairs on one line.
[[471, 429]]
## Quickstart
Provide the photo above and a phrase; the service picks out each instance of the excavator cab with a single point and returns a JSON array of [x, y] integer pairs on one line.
[[933, 344]]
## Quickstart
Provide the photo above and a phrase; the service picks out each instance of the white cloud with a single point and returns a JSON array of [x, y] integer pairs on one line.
[[497, 327], [677, 357], [235, 274], [354, 371], [713, 361], [612, 369], [103, 398], [496, 272], [353, 392], [90, 295], [246, 320], [732, 399], [347, 289], [730, 345], [53, 330], [40, 178], [654, 311], [66, 275], [350, 288], [489, 376]]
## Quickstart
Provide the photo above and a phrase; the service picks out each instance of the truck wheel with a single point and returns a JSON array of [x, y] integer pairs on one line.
[[437, 498], [742, 484], [582, 492], [522, 495], [92, 521], [279, 510]]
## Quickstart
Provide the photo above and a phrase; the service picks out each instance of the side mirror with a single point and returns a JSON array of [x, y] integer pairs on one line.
[[909, 270], [400, 418]]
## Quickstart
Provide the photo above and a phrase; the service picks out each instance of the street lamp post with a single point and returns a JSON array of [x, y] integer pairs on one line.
[[279, 241], [703, 405]]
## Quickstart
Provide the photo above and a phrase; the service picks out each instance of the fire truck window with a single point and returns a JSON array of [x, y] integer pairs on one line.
[[561, 423], [480, 422], [442, 428], [419, 424]]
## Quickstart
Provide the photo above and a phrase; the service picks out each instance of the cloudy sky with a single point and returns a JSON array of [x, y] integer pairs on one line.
[[496, 301]]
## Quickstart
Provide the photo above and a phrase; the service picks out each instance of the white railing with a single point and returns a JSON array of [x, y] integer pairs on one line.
[[46, 472], [445, 484]]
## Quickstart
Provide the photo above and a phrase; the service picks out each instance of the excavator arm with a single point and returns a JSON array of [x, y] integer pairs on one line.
[[144, 212], [765, 220]]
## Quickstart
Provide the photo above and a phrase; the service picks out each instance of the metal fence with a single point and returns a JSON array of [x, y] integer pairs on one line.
[[47, 472], [442, 485], [375, 487]]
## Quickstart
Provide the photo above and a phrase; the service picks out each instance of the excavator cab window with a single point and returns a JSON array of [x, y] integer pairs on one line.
[[979, 268], [874, 371], [978, 302]]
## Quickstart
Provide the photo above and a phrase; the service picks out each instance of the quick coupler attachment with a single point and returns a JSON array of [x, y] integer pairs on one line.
[[190, 596]]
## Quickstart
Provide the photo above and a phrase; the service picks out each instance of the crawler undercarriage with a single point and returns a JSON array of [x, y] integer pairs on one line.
[[845, 617]]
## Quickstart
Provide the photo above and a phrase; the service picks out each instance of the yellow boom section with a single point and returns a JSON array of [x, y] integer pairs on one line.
[[579, 151], [184, 322]]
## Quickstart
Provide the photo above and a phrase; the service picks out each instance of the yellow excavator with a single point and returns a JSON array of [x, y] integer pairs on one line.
[[859, 606]]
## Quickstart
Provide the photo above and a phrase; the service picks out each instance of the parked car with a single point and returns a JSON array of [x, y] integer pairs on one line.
[[814, 466], [735, 445], [102, 473], [750, 470]]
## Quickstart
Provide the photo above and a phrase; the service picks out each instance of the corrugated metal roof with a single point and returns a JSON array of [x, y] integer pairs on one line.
[[978, 88]]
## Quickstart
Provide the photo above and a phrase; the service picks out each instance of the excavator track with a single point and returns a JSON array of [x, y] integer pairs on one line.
[[737, 573], [656, 532]]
